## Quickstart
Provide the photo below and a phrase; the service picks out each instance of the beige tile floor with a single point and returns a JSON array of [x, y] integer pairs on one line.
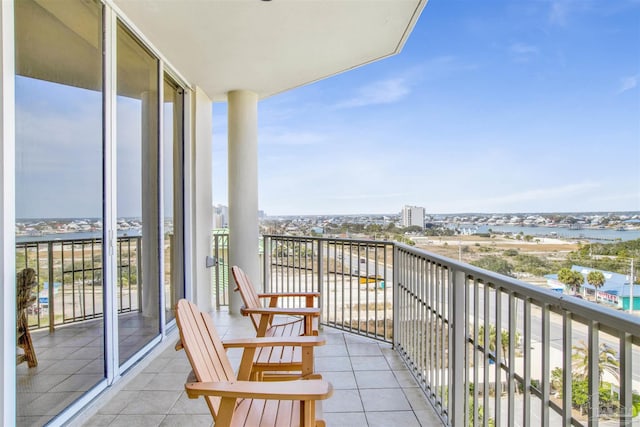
[[70, 362], [372, 386]]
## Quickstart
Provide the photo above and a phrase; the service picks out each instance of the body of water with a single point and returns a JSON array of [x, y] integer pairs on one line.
[[591, 234], [595, 235], [74, 236]]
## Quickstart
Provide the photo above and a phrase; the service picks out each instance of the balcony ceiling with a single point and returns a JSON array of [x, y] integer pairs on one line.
[[271, 46]]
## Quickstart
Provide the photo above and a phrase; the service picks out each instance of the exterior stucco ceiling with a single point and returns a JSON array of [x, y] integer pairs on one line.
[[270, 46]]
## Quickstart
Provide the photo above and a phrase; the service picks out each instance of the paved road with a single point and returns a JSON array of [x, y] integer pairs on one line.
[[369, 266]]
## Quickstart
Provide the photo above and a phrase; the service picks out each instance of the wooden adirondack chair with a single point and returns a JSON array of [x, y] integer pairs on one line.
[[233, 401], [25, 282], [262, 317]]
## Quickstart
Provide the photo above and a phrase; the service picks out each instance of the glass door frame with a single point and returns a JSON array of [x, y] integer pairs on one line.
[[109, 234], [7, 214]]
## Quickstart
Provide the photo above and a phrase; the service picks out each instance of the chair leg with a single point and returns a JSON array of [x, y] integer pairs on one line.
[[25, 343], [30, 351]]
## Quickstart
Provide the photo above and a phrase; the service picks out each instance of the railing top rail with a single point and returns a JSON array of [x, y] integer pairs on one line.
[[332, 239], [615, 319], [77, 239]]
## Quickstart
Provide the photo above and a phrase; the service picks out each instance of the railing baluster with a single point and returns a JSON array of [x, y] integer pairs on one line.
[[499, 357], [626, 383], [467, 328], [442, 329], [567, 375], [512, 359], [458, 350], [526, 412], [486, 343], [594, 375], [476, 331], [544, 380], [50, 296]]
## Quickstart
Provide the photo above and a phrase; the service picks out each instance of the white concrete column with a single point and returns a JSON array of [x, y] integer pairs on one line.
[[7, 218], [243, 188], [199, 201]]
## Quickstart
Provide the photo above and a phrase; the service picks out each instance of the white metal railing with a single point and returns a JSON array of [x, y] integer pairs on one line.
[[493, 350], [485, 348], [69, 285], [352, 276]]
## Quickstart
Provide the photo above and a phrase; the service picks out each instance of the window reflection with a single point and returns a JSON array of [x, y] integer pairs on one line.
[[137, 190], [59, 185], [172, 195]]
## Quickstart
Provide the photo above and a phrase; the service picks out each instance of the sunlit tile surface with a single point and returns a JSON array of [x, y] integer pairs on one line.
[[372, 387]]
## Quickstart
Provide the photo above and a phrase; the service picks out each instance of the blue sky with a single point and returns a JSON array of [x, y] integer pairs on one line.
[[495, 106]]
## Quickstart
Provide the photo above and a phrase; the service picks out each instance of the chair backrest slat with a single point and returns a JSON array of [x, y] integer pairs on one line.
[[247, 292], [204, 348]]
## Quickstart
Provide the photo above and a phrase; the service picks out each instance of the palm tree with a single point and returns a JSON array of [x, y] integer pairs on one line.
[[492, 336], [607, 361], [504, 339], [596, 279], [570, 278]]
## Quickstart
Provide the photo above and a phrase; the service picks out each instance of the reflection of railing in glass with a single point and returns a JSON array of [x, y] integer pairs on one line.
[[74, 267]]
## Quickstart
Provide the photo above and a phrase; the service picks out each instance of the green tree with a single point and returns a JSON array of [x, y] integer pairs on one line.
[[596, 279], [556, 379], [495, 263], [533, 264], [374, 228], [492, 337], [607, 361], [504, 339], [571, 278]]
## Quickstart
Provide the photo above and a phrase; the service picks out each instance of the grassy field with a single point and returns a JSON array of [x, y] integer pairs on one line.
[[475, 246], [470, 249]]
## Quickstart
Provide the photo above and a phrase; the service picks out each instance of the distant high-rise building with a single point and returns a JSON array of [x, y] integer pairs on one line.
[[412, 215], [221, 216]]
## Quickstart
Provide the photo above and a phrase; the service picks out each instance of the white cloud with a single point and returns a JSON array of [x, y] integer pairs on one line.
[[368, 196], [379, 92], [558, 12], [523, 49], [628, 83], [562, 10], [545, 193], [290, 138], [522, 52]]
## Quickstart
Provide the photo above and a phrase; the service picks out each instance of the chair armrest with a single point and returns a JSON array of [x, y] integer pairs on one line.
[[289, 294], [295, 341], [311, 311], [273, 390]]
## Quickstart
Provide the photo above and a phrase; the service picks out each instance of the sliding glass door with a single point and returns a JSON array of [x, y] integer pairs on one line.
[[59, 196], [66, 168], [138, 290]]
